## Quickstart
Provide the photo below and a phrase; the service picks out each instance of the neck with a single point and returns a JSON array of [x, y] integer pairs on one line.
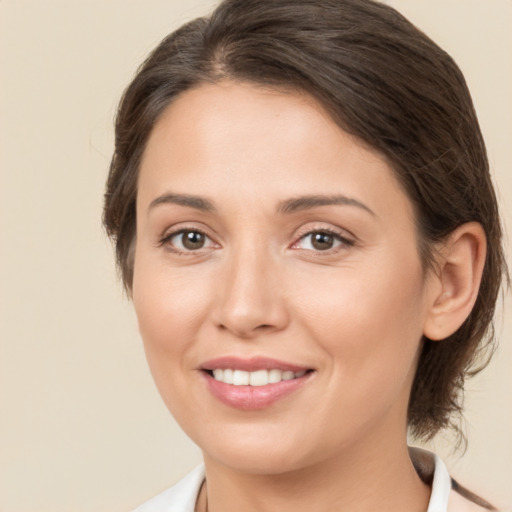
[[352, 481]]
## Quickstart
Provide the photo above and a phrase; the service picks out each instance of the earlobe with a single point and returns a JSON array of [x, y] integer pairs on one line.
[[460, 265]]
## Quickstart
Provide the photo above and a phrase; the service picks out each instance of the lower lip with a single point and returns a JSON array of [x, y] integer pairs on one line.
[[250, 398]]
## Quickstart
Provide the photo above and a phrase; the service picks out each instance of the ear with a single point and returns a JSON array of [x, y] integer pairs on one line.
[[460, 263]]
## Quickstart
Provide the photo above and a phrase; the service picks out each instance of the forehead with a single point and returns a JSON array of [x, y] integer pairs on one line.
[[244, 138], [243, 113]]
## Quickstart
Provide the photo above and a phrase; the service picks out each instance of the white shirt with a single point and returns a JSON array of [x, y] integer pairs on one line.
[[182, 497]]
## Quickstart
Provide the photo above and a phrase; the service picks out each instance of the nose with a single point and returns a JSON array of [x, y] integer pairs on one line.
[[251, 296]]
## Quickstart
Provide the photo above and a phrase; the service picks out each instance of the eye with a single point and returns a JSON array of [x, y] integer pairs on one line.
[[187, 240], [321, 240]]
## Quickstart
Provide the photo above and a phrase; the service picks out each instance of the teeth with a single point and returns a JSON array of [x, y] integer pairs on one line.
[[227, 376], [240, 378], [274, 376], [257, 378]]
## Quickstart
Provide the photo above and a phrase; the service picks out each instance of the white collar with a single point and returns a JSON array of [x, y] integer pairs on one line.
[[441, 487], [182, 497]]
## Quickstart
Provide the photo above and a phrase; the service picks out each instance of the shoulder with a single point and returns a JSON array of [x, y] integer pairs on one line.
[[463, 500], [447, 495], [181, 497]]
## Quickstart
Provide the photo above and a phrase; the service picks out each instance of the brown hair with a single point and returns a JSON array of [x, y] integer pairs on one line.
[[382, 80]]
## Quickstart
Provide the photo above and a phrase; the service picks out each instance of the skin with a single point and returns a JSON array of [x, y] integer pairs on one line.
[[355, 313]]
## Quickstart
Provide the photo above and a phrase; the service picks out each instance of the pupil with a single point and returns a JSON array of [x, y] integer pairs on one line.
[[193, 240], [322, 241]]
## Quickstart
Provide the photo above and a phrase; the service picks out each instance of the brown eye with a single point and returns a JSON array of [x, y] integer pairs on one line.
[[322, 241], [188, 240], [318, 241], [192, 240]]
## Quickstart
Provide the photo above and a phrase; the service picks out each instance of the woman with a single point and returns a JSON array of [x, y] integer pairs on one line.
[[304, 219]]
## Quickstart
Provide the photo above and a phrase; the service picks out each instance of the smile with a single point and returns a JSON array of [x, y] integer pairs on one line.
[[255, 383], [256, 378]]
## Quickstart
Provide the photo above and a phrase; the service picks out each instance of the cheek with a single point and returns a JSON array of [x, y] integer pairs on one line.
[[369, 330], [169, 305], [170, 308], [363, 317]]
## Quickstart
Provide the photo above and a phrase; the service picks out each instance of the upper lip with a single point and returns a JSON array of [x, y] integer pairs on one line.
[[250, 364]]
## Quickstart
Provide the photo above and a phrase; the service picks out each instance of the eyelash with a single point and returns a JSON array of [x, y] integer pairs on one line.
[[165, 240], [344, 241]]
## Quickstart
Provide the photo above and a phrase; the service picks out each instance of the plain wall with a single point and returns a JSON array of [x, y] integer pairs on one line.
[[81, 425]]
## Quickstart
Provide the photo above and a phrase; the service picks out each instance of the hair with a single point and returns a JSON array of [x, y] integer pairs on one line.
[[381, 80]]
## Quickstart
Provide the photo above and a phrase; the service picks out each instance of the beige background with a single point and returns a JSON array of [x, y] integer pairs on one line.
[[81, 425]]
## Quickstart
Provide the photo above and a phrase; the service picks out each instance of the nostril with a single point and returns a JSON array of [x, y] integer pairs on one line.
[[246, 319], [248, 331]]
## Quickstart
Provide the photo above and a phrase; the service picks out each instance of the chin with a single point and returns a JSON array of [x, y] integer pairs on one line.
[[257, 462], [258, 453]]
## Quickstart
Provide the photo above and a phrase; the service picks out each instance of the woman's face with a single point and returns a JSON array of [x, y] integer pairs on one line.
[[271, 243]]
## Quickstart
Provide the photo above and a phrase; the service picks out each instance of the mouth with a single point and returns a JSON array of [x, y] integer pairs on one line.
[[256, 378], [252, 384]]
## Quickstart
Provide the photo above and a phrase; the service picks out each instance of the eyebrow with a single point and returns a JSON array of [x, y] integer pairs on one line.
[[307, 202], [199, 203], [288, 206]]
